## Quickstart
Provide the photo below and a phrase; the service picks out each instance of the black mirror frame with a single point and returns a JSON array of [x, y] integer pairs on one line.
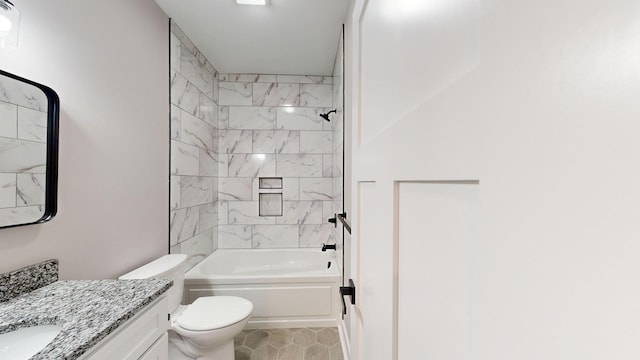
[[51, 172]]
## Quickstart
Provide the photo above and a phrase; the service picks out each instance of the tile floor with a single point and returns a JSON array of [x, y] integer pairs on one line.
[[289, 344]]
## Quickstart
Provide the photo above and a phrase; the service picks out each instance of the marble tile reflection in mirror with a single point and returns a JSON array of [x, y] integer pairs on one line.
[[28, 151]]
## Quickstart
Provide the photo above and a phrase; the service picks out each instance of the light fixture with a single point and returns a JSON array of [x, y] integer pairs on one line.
[[252, 2], [9, 24]]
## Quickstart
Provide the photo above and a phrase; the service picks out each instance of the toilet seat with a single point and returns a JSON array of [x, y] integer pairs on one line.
[[214, 312], [205, 329]]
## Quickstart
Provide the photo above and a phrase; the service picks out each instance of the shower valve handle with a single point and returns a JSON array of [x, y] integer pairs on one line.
[[326, 247]]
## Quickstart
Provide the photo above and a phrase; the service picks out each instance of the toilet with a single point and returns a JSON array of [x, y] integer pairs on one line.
[[203, 330]]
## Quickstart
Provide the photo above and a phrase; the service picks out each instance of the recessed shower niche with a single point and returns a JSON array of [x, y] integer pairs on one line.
[[270, 183], [270, 196], [270, 204]]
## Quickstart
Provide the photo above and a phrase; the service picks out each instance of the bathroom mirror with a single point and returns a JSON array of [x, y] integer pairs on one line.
[[28, 151]]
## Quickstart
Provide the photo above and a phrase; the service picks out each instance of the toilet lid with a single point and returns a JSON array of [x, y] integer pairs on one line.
[[214, 312]]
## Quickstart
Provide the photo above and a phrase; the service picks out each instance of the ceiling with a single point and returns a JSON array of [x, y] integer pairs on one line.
[[298, 37]]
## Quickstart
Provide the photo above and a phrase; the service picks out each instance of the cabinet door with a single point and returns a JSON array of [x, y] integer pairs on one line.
[[136, 336], [159, 350]]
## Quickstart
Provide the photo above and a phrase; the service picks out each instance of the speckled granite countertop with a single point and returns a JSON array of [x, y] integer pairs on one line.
[[87, 311]]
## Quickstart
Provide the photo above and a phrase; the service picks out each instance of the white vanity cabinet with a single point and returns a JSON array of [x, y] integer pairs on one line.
[[143, 337]]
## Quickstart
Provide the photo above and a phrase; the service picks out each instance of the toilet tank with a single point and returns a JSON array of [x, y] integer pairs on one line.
[[166, 267]]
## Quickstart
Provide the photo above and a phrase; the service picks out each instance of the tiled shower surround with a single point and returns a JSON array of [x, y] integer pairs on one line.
[[194, 142], [230, 130], [270, 126]]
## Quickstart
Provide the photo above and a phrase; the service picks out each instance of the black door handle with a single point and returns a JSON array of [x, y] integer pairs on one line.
[[348, 291]]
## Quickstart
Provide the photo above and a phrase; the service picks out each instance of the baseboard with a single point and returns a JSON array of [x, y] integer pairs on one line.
[[344, 340], [291, 323]]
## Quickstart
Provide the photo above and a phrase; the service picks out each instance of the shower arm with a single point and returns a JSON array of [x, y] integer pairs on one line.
[[326, 115]]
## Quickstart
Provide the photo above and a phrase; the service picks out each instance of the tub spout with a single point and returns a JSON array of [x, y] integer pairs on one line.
[[326, 247]]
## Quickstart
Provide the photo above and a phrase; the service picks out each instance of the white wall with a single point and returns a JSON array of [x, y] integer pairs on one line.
[[108, 62], [539, 101]]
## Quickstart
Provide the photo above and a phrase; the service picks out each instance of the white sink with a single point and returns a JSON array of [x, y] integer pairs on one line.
[[25, 342]]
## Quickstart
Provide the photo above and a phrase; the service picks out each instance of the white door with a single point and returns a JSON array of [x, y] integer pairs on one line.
[[494, 194], [412, 230]]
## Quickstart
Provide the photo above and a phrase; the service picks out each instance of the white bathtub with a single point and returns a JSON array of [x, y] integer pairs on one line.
[[288, 287]]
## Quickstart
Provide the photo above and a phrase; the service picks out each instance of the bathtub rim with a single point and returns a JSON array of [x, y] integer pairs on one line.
[[195, 276]]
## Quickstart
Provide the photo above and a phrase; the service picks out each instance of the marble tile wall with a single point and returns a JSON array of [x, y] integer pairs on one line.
[[23, 129], [269, 126], [194, 146]]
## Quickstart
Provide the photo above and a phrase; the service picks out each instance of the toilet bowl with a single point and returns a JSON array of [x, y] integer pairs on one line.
[[206, 328], [203, 330]]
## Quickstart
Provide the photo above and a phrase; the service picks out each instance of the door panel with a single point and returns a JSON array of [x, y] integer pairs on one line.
[[537, 100], [435, 222], [372, 278]]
